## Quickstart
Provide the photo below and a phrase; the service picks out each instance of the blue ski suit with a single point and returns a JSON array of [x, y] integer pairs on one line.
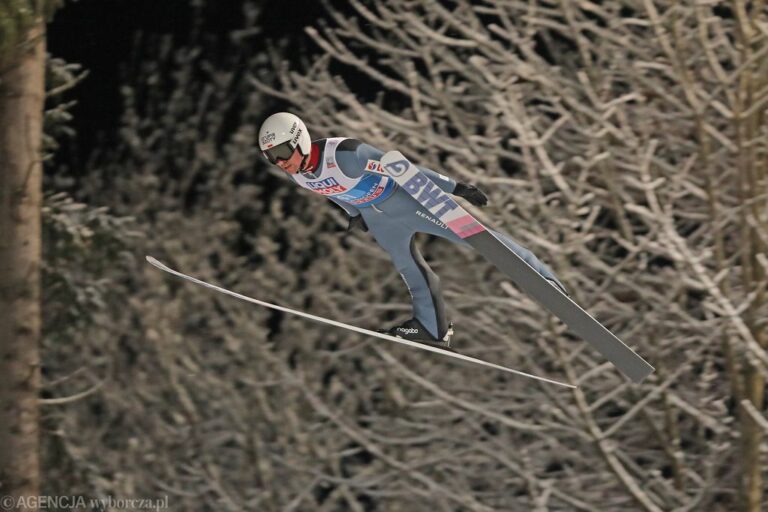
[[339, 169]]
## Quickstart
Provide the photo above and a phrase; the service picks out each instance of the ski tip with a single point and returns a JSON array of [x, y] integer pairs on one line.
[[155, 262]]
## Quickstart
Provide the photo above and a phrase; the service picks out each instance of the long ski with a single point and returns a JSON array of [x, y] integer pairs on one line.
[[458, 220], [360, 330]]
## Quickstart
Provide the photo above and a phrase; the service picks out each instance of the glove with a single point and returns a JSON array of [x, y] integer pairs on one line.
[[357, 222], [471, 193]]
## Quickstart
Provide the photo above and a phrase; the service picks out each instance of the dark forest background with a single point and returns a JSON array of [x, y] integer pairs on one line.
[[625, 143]]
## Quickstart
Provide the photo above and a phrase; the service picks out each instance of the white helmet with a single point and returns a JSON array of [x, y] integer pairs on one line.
[[280, 134]]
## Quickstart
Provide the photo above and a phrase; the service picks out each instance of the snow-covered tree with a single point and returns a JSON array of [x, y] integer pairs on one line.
[[626, 144]]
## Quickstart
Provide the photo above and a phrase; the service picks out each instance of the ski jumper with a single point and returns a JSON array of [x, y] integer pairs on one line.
[[340, 170]]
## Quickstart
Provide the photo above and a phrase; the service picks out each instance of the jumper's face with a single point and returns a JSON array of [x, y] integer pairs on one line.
[[291, 166]]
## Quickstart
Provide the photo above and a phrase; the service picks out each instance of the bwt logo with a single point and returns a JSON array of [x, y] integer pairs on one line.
[[429, 194], [397, 168]]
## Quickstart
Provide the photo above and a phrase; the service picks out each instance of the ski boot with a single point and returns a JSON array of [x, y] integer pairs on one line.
[[412, 330], [557, 284]]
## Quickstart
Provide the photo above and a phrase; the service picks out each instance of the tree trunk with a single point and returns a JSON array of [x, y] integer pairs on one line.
[[21, 116]]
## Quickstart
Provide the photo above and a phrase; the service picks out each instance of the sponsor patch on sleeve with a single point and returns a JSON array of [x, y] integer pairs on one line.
[[374, 166]]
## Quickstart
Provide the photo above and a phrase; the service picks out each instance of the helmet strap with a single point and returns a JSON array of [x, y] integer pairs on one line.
[[307, 159], [304, 159]]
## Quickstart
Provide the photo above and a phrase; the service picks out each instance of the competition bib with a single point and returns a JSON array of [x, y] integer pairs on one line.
[[366, 190]]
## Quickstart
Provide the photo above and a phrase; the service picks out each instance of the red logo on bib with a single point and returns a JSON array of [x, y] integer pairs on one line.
[[374, 166]]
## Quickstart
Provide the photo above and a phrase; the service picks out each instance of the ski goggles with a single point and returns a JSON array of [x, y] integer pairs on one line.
[[280, 152]]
